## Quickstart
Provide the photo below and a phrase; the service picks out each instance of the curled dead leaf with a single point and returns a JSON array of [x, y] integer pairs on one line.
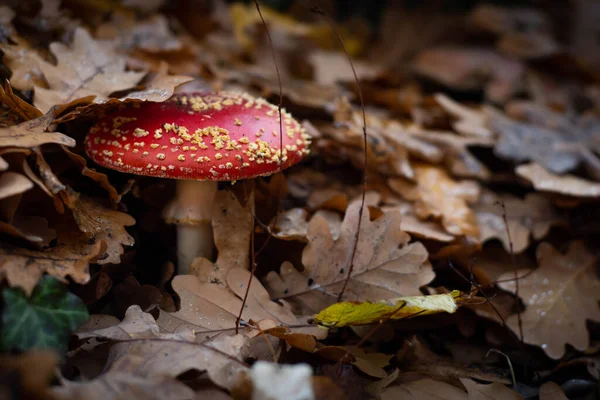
[[568, 185]]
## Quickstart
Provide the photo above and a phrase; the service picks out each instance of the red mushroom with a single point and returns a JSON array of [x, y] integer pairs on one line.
[[199, 139]]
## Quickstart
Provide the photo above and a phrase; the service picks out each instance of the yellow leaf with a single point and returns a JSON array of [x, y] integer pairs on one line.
[[354, 313]]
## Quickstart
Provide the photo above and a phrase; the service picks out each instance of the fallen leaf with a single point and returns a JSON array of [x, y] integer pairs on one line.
[[221, 358], [136, 325], [569, 185], [414, 356], [332, 67], [555, 141], [469, 122], [456, 152], [469, 69], [381, 269], [33, 133], [551, 391], [560, 295], [45, 320], [125, 379], [150, 34], [84, 69], [33, 229], [12, 184], [102, 224], [211, 308], [355, 313], [424, 389], [532, 216], [292, 224], [232, 225], [413, 225], [437, 195], [25, 110], [489, 391], [24, 65], [100, 178]]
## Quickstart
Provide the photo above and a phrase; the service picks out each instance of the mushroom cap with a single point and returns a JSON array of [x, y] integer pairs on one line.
[[221, 136]]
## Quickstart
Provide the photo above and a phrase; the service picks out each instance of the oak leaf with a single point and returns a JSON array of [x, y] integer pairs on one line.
[[86, 68], [33, 133], [532, 216], [136, 325], [292, 224], [210, 309], [385, 265], [553, 140], [560, 295], [469, 69], [99, 223], [546, 181], [221, 358], [438, 196], [94, 234]]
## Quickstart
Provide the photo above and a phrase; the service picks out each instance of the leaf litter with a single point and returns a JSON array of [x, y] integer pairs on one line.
[[472, 150]]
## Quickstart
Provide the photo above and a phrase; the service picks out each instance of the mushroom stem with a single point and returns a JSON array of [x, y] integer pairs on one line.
[[191, 210]]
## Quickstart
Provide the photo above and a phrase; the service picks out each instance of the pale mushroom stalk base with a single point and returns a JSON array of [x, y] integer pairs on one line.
[[191, 210]]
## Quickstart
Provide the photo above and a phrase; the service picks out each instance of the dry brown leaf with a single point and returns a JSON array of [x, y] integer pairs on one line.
[[25, 110], [12, 184], [33, 133], [551, 391], [456, 152], [136, 325], [211, 308], [232, 225], [100, 178], [94, 234], [413, 225], [332, 67], [23, 62], [493, 391], [381, 269], [125, 379], [438, 196], [102, 224], [569, 185], [532, 216], [86, 68], [292, 224], [424, 389], [159, 86], [560, 295], [172, 357], [24, 268], [151, 34], [416, 357], [469, 69], [33, 229], [469, 122]]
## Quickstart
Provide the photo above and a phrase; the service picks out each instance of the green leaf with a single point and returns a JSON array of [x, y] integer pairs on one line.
[[45, 320]]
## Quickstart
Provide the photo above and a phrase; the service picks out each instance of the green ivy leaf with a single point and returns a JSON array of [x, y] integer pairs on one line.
[[45, 320]]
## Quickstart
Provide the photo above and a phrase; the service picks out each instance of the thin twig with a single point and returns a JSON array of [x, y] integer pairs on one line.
[[514, 264], [318, 10]]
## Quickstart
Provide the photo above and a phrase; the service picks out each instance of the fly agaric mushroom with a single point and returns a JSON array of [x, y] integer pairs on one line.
[[199, 139]]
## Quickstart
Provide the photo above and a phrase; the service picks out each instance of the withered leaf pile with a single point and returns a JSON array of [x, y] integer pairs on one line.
[[482, 181]]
